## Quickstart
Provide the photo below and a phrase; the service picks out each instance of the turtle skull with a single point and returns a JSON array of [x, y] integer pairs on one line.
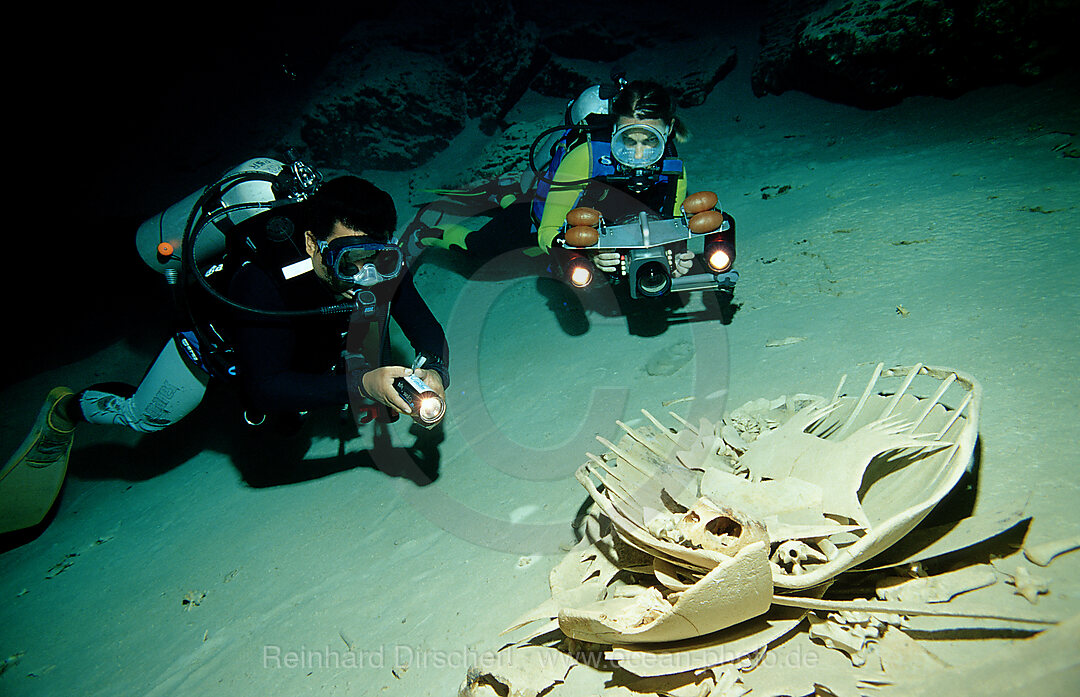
[[717, 528]]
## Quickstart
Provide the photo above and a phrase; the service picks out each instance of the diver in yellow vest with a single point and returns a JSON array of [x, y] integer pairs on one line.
[[642, 135], [616, 158]]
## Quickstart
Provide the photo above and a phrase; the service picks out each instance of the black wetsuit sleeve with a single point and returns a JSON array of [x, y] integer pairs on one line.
[[420, 327], [266, 352]]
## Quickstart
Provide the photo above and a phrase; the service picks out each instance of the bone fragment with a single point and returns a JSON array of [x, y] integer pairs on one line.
[[839, 637], [641, 439], [932, 402], [684, 422], [1042, 554], [862, 400], [910, 609], [792, 553], [624, 456], [733, 439], [659, 426], [827, 548], [900, 392], [1028, 586], [839, 389], [940, 588], [525, 671]]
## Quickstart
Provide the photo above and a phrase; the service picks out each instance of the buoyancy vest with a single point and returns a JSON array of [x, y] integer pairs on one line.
[[602, 186]]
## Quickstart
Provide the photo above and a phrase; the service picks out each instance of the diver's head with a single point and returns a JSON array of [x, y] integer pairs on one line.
[[355, 203], [644, 122], [348, 236], [644, 99]]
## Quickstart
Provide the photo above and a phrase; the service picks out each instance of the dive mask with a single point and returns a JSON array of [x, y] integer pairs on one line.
[[360, 261], [638, 145]]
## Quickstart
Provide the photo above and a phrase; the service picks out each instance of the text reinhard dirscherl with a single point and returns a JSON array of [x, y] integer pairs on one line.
[[307, 659], [382, 657]]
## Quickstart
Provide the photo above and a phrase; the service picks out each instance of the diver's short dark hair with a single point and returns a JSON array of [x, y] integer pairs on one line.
[[355, 203], [645, 99]]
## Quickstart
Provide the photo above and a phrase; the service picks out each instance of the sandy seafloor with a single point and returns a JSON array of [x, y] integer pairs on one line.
[[965, 212]]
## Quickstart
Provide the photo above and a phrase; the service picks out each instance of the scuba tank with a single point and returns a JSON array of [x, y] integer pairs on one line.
[[188, 241], [209, 213], [553, 143], [580, 120]]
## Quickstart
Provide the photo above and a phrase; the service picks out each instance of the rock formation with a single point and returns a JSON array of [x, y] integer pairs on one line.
[[874, 53]]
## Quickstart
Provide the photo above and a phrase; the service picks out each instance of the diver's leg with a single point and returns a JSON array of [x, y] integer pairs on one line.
[[31, 479], [509, 230], [483, 238], [171, 389]]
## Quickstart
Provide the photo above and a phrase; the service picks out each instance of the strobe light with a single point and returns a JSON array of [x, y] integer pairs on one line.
[[719, 255], [578, 270], [580, 276]]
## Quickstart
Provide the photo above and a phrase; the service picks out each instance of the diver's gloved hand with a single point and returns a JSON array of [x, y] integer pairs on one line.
[[683, 260], [378, 384], [608, 262]]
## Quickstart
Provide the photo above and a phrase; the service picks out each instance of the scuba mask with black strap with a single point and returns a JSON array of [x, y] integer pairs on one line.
[[360, 261]]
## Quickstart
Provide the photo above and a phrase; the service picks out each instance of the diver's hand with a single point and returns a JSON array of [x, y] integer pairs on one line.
[[608, 262], [433, 380], [683, 260], [379, 385]]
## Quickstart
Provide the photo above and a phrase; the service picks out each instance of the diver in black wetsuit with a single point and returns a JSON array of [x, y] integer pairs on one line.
[[284, 317], [295, 364], [615, 160], [283, 360]]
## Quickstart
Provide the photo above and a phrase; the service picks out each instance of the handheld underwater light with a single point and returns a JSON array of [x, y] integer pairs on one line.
[[426, 406]]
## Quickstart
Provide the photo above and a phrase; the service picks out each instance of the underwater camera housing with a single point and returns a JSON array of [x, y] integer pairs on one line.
[[647, 246]]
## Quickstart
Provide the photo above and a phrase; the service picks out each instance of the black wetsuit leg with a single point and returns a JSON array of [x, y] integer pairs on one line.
[[509, 230]]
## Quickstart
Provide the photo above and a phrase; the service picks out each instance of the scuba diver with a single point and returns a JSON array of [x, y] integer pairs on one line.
[[608, 201], [281, 277]]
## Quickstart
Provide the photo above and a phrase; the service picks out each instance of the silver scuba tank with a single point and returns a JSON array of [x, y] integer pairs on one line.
[[587, 103], [242, 192]]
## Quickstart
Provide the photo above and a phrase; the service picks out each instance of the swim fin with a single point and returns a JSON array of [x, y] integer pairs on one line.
[[31, 479]]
